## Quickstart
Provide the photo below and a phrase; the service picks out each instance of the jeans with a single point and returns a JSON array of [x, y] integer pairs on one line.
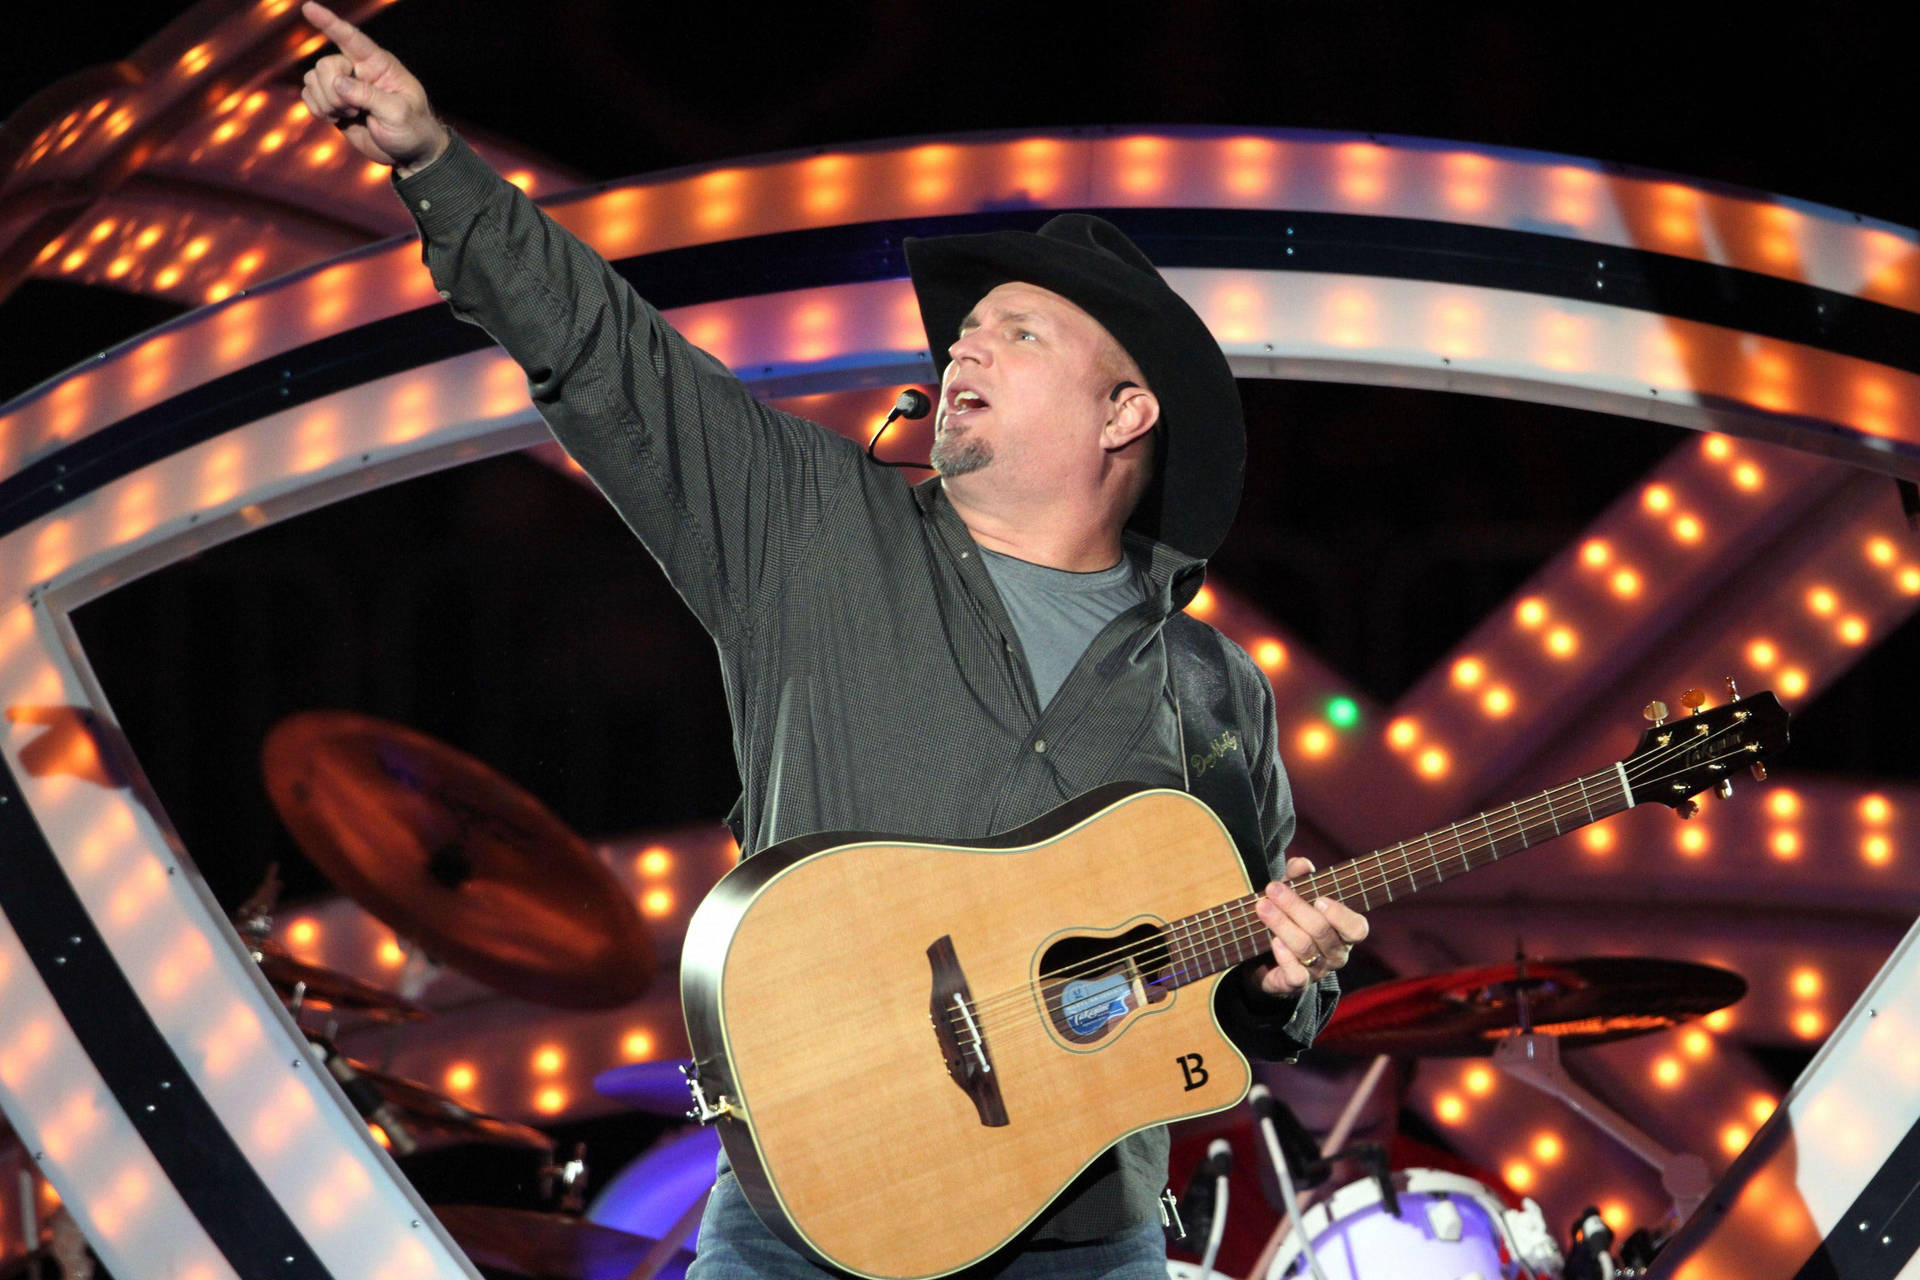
[[736, 1245]]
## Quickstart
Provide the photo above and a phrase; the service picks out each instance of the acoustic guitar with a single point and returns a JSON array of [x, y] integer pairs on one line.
[[909, 1049]]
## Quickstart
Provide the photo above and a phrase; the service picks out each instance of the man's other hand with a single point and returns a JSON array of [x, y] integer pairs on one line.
[[364, 92]]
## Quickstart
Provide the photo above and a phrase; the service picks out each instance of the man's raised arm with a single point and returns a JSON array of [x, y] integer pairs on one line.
[[725, 492]]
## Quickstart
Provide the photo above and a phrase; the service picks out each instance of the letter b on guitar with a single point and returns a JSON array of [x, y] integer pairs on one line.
[[1191, 1066]]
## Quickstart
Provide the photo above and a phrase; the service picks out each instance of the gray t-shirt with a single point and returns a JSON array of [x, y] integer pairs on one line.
[[1058, 612]]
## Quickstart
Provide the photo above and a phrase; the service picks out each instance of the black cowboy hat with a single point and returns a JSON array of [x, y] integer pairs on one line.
[[1091, 263]]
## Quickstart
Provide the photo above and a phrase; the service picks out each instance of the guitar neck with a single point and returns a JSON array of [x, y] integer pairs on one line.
[[1206, 943]]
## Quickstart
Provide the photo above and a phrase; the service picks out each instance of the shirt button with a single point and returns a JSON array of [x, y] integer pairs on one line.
[[426, 206], [445, 296], [965, 554], [1041, 746]]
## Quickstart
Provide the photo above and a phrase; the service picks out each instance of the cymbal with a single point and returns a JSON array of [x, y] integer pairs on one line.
[[328, 991], [549, 1246], [433, 1119], [458, 859], [1466, 1012], [656, 1087]]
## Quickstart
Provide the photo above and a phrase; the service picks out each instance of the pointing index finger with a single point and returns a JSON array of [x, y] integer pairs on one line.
[[352, 41]]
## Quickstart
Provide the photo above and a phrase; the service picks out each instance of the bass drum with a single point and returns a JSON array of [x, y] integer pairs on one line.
[[1448, 1228]]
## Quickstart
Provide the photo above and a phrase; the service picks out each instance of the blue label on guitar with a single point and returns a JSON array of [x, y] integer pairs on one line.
[[1091, 1003]]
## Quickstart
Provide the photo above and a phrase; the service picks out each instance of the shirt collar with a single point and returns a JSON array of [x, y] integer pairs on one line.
[[1175, 576]]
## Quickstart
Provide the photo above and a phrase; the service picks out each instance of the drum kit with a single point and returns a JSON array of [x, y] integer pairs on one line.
[[477, 874]]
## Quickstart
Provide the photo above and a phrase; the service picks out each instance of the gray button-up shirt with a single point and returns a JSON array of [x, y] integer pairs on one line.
[[874, 679]]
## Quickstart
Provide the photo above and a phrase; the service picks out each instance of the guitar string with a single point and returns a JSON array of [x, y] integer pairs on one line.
[[1234, 917], [1335, 876], [1233, 924], [1229, 917], [1001, 1033]]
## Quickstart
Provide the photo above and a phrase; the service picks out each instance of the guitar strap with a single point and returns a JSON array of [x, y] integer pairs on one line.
[[1215, 743]]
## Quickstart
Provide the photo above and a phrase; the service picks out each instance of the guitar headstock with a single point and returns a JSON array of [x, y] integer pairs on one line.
[[1678, 760]]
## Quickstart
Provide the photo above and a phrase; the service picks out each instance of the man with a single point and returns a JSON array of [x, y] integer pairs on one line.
[[947, 661]]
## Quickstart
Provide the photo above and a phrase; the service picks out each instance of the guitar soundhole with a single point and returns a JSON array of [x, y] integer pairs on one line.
[[1090, 984]]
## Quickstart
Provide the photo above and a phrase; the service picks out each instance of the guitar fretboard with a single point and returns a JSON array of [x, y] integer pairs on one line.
[[1206, 943]]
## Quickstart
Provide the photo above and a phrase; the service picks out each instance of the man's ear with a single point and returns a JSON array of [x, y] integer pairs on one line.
[[1131, 417]]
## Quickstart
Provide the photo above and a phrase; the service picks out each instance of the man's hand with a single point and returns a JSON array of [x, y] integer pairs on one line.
[[1310, 939], [365, 92]]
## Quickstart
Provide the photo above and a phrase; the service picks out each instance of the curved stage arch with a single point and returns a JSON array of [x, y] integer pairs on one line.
[[164, 1089]]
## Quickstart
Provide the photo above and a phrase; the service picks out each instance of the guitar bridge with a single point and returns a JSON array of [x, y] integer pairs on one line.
[[963, 1044]]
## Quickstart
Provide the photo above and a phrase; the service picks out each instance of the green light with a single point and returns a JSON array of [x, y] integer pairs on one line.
[[1344, 712]]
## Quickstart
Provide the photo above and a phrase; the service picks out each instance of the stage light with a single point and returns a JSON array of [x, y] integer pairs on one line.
[[461, 1077], [1716, 447], [1692, 841], [548, 1059], [1667, 1072], [1761, 1108], [1804, 983], [1615, 1215], [1202, 603], [1597, 839], [1595, 552], [1519, 1174], [1402, 733], [1762, 654], [1343, 712], [1783, 804], [636, 1045], [1696, 1043], [655, 861], [1271, 655], [1547, 1148], [303, 932], [1626, 584], [1433, 762], [1687, 529], [1530, 612], [656, 902], [390, 955], [550, 1100], [1852, 630], [1793, 682], [1315, 741], [1874, 808], [1561, 642], [1733, 1139], [1497, 701], [1449, 1108], [1717, 1021], [1467, 672], [1877, 850], [1910, 580], [1808, 1024], [1822, 601], [1880, 551]]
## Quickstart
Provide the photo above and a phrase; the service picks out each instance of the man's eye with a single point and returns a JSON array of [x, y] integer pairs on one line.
[[1026, 334]]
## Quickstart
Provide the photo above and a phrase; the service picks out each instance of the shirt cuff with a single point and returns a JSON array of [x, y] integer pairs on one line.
[[448, 194], [1275, 1028]]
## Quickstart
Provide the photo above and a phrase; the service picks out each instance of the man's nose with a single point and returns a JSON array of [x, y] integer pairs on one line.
[[970, 346]]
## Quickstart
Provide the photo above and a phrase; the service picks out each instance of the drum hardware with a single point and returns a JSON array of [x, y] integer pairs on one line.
[[1448, 1227], [303, 986], [1534, 1058], [1205, 1200], [1342, 1130], [451, 855], [565, 1182]]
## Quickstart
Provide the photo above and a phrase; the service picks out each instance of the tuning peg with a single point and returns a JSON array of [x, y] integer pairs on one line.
[[1733, 690], [1693, 700], [1687, 808], [1655, 711], [1758, 770], [1726, 788]]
